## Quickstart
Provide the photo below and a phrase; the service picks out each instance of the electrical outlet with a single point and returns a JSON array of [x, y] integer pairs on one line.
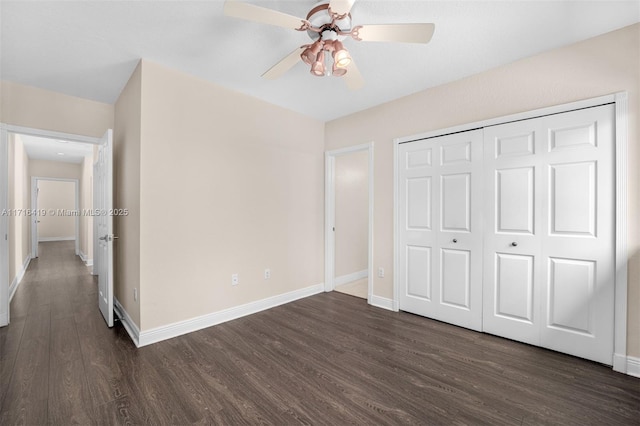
[[267, 274], [380, 272], [135, 294], [234, 279]]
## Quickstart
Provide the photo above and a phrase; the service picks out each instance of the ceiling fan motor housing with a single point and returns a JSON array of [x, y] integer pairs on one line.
[[320, 18]]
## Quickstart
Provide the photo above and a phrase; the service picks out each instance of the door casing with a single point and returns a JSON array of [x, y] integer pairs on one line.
[[330, 212], [34, 205]]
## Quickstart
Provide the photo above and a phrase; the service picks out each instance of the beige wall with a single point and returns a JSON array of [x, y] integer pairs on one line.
[[54, 196], [86, 203], [18, 198], [55, 169], [228, 184], [352, 212], [42, 109], [603, 65], [126, 192]]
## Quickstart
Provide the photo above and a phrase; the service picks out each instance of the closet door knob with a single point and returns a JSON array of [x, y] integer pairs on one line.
[[514, 244], [455, 241]]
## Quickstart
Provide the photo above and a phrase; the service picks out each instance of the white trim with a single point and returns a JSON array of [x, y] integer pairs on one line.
[[329, 215], [19, 276], [348, 278], [4, 226], [396, 243], [556, 109], [128, 323], [329, 220], [47, 239], [382, 302], [621, 255], [50, 134], [620, 360], [633, 366], [159, 334], [85, 259]]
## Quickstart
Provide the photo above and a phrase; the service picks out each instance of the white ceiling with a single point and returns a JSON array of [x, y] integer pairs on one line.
[[38, 148], [89, 48]]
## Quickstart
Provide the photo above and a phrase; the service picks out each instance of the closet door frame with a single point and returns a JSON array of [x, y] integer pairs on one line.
[[621, 200]]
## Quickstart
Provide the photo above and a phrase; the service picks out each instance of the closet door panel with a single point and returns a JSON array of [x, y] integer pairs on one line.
[[579, 242], [440, 228], [512, 212]]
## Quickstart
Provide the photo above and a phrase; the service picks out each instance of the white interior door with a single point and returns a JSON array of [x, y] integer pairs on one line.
[[103, 225], [440, 227], [549, 248]]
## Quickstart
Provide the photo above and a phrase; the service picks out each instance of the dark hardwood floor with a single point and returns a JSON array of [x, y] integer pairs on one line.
[[328, 359]]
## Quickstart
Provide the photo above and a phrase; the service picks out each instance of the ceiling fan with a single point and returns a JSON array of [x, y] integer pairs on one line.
[[328, 23]]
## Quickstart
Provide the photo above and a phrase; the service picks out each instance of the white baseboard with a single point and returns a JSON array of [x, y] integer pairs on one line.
[[633, 366], [127, 322], [85, 259], [18, 278], [159, 334], [47, 239], [354, 276], [381, 302], [4, 319]]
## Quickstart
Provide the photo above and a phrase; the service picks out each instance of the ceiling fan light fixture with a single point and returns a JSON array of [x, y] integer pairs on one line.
[[341, 56], [318, 69], [310, 54], [337, 71]]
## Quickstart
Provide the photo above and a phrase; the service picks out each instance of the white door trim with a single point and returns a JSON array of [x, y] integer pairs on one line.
[[621, 255], [620, 100], [330, 213], [4, 227], [34, 206]]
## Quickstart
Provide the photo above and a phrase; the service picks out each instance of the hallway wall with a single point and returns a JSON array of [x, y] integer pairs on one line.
[[19, 198]]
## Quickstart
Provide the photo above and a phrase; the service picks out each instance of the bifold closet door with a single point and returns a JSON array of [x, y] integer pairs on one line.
[[440, 228], [549, 232]]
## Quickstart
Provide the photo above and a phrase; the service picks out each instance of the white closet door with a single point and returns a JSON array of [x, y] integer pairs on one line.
[[579, 262], [512, 247], [440, 258], [549, 245]]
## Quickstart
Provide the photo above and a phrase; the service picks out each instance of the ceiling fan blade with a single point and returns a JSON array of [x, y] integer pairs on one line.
[[404, 33], [263, 15], [341, 6], [353, 78], [284, 65]]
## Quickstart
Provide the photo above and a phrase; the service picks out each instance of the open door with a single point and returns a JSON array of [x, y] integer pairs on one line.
[[4, 229], [103, 224]]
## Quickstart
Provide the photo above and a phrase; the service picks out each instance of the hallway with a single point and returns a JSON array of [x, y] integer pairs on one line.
[[54, 322]]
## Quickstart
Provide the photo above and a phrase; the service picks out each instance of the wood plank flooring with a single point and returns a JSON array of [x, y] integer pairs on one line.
[[329, 359]]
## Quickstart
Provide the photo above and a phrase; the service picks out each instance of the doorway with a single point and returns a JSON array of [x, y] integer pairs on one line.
[[349, 221], [57, 203], [47, 156]]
